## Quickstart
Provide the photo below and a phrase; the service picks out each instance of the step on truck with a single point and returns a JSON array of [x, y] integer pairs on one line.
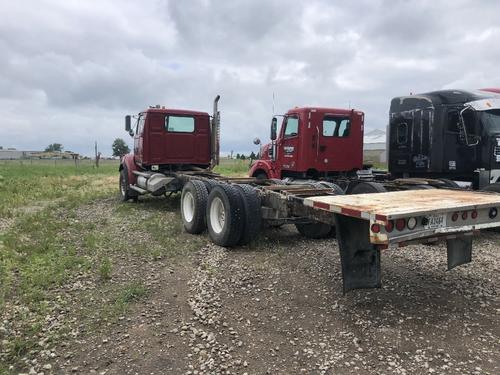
[[176, 151]]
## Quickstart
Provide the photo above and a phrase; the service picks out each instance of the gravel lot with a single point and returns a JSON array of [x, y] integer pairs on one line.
[[277, 307]]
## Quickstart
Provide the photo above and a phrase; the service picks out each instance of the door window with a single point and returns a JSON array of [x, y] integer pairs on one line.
[[336, 127], [140, 124], [291, 127], [179, 124]]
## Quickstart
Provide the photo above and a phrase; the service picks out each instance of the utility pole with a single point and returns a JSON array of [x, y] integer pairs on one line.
[[97, 156]]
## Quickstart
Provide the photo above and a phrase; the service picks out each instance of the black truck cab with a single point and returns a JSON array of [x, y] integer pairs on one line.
[[452, 134]]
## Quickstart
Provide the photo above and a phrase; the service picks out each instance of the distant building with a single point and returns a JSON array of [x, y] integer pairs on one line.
[[374, 146], [13, 154]]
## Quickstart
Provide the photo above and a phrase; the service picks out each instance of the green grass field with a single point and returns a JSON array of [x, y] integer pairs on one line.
[[233, 167], [61, 222]]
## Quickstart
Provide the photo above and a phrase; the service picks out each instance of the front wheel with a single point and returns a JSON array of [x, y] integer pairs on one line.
[[125, 191]]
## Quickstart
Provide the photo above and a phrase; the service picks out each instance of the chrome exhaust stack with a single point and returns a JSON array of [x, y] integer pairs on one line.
[[215, 135]]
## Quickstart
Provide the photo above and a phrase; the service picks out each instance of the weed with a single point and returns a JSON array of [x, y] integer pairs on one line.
[[131, 292], [105, 269]]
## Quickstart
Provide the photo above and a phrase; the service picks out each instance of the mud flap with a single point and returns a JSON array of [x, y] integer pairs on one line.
[[360, 259], [459, 251]]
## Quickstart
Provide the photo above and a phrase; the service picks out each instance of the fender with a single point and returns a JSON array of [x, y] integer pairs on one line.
[[266, 166], [129, 163]]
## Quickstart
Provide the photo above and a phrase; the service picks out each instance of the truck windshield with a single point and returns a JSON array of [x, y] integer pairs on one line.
[[490, 121]]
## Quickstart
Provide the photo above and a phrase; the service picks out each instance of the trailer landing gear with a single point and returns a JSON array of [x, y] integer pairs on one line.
[[360, 259]]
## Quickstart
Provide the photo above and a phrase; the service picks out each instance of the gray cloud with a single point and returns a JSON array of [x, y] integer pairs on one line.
[[70, 71]]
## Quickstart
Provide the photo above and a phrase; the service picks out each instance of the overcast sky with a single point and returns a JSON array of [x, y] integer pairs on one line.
[[70, 69]]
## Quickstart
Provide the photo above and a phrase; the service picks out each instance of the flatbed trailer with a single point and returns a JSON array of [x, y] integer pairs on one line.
[[364, 224], [368, 223]]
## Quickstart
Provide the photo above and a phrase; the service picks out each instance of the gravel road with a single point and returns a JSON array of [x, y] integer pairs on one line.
[[277, 308]]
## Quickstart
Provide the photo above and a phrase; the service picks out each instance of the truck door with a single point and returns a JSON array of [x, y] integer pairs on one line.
[[139, 138], [458, 157], [288, 143], [340, 145]]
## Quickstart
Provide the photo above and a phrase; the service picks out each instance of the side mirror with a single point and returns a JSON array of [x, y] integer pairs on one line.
[[128, 126], [256, 141], [274, 128]]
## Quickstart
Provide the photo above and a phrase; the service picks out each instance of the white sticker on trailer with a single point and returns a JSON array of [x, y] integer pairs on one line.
[[435, 222]]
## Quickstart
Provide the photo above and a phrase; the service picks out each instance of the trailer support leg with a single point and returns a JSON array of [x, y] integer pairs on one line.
[[360, 259], [459, 251]]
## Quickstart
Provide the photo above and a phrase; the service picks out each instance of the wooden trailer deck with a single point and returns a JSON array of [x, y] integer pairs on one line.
[[398, 204]]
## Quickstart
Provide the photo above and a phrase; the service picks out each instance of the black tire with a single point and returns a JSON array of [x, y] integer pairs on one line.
[[330, 185], [252, 216], [125, 191], [261, 176], [194, 199], [492, 187], [449, 183], [368, 187], [314, 230], [210, 184], [225, 215], [277, 181]]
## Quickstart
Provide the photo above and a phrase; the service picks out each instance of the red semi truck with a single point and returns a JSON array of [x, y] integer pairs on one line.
[[176, 151], [313, 143]]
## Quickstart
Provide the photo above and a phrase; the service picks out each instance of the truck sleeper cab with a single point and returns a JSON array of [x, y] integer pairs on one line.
[[313, 142], [453, 134]]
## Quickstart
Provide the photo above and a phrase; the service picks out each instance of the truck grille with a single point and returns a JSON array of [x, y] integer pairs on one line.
[[496, 151]]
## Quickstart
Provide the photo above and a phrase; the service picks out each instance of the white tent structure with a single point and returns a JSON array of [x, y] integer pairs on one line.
[[374, 145]]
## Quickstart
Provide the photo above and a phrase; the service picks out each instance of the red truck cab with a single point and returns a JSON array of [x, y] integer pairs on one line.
[[168, 139], [312, 143], [172, 137]]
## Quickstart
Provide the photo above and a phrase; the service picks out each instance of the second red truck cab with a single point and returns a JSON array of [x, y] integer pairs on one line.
[[313, 143]]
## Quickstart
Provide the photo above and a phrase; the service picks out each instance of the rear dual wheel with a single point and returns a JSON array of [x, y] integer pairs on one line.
[[193, 206], [231, 213], [225, 215], [252, 216]]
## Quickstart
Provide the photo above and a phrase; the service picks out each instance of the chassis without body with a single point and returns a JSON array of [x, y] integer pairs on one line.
[[233, 209]]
